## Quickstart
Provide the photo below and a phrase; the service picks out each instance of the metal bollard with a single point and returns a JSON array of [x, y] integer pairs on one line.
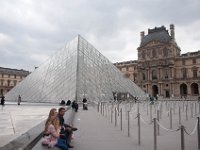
[[155, 108], [128, 123], [158, 130], [186, 112], [106, 111], [191, 107], [179, 114], [138, 107], [195, 109], [139, 136], [161, 111], [198, 133], [170, 117], [115, 116], [111, 115], [150, 113], [98, 107], [199, 108], [101, 108], [118, 108], [155, 134], [182, 138], [121, 119]]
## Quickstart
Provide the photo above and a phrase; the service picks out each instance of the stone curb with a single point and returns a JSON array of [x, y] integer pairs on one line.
[[30, 138]]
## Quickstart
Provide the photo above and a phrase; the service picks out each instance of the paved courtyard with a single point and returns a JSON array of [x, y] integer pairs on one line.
[[17, 119], [95, 130]]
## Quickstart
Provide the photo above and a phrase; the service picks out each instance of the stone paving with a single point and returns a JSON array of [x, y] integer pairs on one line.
[[15, 119], [94, 130]]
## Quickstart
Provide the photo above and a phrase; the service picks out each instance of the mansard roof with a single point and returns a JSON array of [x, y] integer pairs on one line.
[[14, 71], [158, 33]]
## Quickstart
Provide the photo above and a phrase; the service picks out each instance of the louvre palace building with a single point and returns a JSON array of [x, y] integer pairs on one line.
[[10, 78], [161, 70]]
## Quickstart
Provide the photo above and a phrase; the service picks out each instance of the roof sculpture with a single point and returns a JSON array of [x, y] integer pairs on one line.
[[77, 70]]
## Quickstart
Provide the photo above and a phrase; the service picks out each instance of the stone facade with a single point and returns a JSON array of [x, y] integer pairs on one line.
[[10, 78], [161, 69]]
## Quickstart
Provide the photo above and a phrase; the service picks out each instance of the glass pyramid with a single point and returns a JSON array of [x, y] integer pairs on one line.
[[77, 70]]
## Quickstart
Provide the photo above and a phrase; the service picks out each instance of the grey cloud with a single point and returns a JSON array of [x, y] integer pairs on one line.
[[39, 28]]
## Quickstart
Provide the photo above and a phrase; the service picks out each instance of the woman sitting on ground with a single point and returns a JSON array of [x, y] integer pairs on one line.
[[52, 135]]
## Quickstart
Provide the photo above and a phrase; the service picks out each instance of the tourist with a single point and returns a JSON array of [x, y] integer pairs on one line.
[[19, 100], [2, 100], [75, 106], [52, 135], [68, 103], [85, 104], [65, 128]]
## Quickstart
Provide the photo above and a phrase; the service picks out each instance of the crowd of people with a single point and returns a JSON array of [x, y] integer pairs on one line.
[[57, 132]]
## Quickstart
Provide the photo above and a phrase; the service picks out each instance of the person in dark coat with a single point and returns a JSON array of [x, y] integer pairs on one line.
[[66, 129], [75, 105], [2, 100], [68, 103], [85, 104]]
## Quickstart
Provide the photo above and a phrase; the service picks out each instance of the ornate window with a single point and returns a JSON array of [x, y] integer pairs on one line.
[[8, 82], [154, 53], [2, 82], [143, 55], [183, 62], [143, 76], [15, 82], [194, 61], [184, 72], [166, 74], [165, 52], [154, 74], [195, 73]]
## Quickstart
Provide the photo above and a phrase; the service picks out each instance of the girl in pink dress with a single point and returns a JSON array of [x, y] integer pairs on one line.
[[52, 132]]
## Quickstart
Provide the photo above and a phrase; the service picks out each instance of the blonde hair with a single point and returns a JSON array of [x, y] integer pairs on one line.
[[56, 123], [50, 119]]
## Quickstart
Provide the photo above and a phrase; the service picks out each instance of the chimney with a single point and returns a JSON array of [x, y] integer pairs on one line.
[[172, 33], [141, 35]]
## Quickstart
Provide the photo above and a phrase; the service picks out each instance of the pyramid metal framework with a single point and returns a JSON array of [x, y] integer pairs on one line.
[[77, 70]]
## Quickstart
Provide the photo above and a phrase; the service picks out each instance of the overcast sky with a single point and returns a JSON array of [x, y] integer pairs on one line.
[[32, 30]]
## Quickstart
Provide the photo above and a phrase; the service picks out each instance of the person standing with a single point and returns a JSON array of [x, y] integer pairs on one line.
[[19, 100], [2, 100], [85, 104]]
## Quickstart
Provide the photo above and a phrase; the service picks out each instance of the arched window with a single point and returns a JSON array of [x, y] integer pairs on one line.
[[183, 89], [195, 89]]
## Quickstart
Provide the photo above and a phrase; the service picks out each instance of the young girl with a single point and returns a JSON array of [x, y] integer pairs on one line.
[[51, 133]]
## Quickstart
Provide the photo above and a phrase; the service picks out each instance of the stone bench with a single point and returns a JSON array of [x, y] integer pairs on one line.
[[32, 138]]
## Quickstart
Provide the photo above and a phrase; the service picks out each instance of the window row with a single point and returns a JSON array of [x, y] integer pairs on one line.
[[8, 83], [11, 76], [167, 74]]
